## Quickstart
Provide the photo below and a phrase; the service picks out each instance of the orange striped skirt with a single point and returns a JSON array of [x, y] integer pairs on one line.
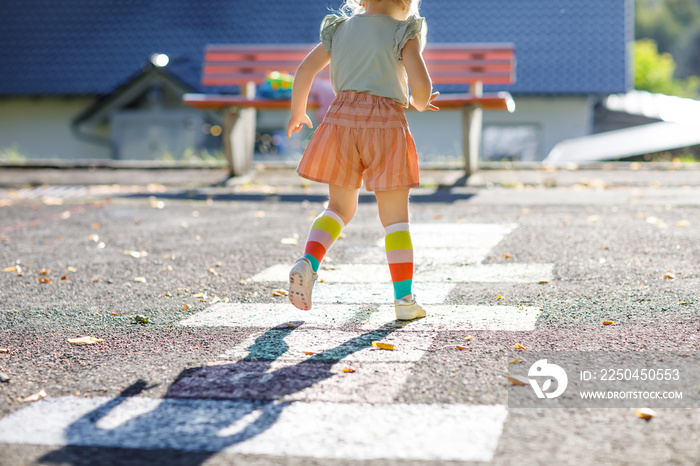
[[362, 137]]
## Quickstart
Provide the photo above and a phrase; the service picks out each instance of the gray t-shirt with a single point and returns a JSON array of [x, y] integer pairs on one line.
[[366, 53]]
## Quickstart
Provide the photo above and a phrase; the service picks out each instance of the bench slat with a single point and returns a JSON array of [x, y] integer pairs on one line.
[[498, 101]]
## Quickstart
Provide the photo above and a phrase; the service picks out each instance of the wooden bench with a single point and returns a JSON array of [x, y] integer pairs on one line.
[[247, 66]]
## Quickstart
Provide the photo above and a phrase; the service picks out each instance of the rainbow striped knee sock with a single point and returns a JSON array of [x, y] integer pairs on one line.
[[324, 231], [399, 254]]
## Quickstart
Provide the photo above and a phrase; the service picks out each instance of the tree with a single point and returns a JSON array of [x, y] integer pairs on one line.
[[653, 72]]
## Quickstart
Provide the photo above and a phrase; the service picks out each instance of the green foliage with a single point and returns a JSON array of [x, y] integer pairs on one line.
[[666, 21], [653, 72], [12, 155]]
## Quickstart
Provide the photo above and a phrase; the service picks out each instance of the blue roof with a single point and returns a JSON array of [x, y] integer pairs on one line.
[[89, 47]]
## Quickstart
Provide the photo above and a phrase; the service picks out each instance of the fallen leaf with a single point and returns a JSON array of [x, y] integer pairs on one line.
[[115, 313], [83, 341], [670, 276], [519, 346], [34, 397], [385, 346], [136, 254], [467, 338], [645, 413], [140, 279], [309, 353], [461, 348], [608, 322], [279, 292], [514, 361], [347, 370], [518, 380]]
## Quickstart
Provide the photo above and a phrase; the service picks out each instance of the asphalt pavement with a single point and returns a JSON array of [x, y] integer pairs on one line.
[[197, 356]]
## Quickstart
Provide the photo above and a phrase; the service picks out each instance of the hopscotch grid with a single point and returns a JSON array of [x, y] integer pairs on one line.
[[337, 408]]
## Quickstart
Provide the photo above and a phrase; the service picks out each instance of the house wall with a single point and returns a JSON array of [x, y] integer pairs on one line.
[[40, 128], [438, 135]]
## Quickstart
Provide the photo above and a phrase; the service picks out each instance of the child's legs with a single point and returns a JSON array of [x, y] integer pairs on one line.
[[327, 226], [393, 212]]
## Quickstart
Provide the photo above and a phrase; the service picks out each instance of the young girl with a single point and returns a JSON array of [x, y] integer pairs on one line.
[[374, 49]]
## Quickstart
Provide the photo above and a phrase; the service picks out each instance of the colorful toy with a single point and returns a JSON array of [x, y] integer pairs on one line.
[[277, 85]]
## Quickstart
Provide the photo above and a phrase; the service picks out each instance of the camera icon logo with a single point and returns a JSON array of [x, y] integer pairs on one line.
[[544, 369]]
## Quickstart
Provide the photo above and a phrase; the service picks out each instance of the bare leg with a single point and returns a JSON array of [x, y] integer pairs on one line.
[[393, 206], [343, 201]]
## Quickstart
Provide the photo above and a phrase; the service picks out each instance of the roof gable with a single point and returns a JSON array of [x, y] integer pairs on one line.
[[87, 47]]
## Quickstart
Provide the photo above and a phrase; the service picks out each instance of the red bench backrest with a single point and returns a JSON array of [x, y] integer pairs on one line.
[[234, 65]]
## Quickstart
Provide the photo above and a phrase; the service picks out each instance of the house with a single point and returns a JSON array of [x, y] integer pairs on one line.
[[103, 80]]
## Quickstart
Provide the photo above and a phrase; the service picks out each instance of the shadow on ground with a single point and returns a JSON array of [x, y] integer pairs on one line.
[[187, 427]]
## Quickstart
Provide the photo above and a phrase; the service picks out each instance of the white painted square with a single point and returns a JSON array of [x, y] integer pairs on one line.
[[487, 273], [262, 315], [354, 431], [460, 317], [377, 255], [376, 293], [331, 345], [438, 273], [481, 236]]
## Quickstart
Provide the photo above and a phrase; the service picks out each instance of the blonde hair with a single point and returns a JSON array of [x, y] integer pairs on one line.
[[354, 7]]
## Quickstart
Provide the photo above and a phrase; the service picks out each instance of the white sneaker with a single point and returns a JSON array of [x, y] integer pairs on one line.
[[301, 283], [408, 309]]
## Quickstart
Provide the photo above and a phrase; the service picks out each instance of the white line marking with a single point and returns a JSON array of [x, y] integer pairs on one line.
[[315, 429], [269, 315], [459, 317], [378, 273]]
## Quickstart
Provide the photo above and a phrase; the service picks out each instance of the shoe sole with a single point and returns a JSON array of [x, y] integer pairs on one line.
[[299, 292]]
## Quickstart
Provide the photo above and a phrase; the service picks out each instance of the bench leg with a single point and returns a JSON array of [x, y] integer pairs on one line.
[[239, 138], [472, 124]]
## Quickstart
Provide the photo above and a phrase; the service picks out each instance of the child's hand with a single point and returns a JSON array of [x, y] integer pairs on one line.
[[430, 105], [296, 122], [430, 102]]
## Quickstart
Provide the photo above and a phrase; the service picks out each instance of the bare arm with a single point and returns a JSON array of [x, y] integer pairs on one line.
[[418, 77], [314, 62]]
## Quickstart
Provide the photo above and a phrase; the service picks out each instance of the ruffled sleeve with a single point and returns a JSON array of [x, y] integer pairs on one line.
[[408, 29], [328, 27]]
